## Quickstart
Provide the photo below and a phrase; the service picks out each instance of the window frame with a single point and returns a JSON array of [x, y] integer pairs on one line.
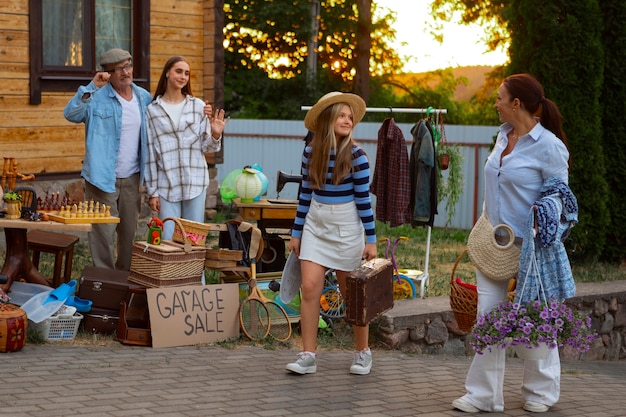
[[64, 79]]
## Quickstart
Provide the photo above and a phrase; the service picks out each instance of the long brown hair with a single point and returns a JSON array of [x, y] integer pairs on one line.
[[530, 93], [325, 140], [162, 85]]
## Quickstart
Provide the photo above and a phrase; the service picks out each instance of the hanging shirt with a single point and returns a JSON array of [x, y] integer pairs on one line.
[[392, 182], [176, 168], [423, 165]]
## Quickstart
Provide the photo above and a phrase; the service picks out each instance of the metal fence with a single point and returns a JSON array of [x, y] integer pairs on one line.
[[277, 146]]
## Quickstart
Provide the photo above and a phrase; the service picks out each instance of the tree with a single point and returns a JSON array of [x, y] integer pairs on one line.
[[556, 42], [613, 113], [268, 41], [490, 14], [364, 44]]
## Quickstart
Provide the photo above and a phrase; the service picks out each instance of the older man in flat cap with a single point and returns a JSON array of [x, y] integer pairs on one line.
[[113, 109]]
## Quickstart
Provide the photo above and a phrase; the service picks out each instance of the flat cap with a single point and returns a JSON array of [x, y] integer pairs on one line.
[[113, 56]]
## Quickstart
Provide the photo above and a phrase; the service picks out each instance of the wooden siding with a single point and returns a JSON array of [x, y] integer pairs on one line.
[[38, 135]]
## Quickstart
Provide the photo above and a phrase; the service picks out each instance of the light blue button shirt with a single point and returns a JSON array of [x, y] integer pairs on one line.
[[511, 187], [102, 114]]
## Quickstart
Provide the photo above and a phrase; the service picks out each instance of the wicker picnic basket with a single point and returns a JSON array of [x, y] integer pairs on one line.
[[189, 231], [464, 298], [169, 264]]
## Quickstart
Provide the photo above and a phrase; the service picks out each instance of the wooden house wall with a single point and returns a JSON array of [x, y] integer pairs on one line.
[[38, 136]]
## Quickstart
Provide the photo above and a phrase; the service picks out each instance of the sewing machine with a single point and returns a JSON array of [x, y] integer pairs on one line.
[[282, 178]]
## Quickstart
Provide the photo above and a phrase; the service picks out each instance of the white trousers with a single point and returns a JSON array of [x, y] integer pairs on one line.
[[485, 379]]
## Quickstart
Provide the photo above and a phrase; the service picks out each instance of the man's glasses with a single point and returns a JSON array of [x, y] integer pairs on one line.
[[119, 70]]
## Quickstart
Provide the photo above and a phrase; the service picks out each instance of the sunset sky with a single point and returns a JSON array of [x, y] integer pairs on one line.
[[462, 44]]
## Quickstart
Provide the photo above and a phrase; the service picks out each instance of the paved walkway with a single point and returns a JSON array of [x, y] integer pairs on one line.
[[68, 380]]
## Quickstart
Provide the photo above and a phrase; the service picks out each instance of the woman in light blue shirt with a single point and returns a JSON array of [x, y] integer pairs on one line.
[[531, 147]]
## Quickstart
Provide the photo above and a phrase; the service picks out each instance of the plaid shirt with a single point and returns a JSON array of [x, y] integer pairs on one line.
[[176, 168], [392, 180]]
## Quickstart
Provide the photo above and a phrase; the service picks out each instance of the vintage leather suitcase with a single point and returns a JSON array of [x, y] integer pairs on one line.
[[106, 288], [101, 321], [369, 291], [133, 327]]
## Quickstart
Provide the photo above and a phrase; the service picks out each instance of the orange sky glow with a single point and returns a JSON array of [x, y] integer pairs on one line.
[[462, 44]]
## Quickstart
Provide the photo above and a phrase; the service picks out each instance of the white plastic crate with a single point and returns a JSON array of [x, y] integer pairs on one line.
[[57, 328]]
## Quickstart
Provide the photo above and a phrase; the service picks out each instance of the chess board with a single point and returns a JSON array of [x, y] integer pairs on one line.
[[83, 220]]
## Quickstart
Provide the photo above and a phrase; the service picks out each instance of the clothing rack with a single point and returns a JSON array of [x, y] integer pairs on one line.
[[424, 277], [396, 110]]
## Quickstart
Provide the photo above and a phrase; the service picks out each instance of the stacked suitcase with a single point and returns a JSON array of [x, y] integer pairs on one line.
[[107, 289]]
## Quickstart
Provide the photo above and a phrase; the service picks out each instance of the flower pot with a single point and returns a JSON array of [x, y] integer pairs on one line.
[[444, 161], [14, 209], [537, 352]]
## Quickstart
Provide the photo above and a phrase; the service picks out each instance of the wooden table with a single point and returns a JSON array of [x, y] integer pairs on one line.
[[17, 263], [269, 213]]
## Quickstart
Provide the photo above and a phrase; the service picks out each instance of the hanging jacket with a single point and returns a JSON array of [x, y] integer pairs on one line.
[[557, 213], [423, 204], [391, 182]]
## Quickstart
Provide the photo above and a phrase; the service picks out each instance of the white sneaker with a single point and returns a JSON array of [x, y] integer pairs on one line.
[[305, 364], [362, 364], [535, 407], [464, 405]]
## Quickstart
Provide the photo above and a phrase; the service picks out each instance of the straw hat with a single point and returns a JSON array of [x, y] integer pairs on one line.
[[354, 101]]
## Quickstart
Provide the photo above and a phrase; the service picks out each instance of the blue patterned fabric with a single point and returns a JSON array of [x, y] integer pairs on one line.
[[548, 217], [557, 213]]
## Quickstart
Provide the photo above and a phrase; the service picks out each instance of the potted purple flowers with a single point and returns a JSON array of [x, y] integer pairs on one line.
[[550, 324]]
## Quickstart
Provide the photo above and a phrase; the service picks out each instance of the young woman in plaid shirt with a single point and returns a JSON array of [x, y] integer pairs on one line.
[[181, 129]]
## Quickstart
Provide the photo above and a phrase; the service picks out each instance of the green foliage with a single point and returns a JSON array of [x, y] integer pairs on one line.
[[491, 14], [267, 74], [434, 89], [613, 114], [12, 196], [480, 110], [569, 35], [450, 181]]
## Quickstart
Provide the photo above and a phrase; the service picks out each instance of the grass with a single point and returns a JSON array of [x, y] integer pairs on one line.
[[446, 245]]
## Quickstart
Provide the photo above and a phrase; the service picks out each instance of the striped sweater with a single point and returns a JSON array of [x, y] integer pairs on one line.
[[354, 187]]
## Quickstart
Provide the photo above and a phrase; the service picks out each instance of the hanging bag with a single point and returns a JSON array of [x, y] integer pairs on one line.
[[495, 260]]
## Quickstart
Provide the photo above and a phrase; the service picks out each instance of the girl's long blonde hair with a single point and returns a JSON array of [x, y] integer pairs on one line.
[[325, 140]]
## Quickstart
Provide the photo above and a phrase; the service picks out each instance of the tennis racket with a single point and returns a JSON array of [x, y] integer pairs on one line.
[[280, 326], [254, 317]]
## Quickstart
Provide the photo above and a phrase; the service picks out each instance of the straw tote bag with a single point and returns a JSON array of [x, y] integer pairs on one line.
[[496, 261]]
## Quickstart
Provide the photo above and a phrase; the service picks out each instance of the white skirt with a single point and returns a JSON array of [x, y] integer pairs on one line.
[[333, 236]]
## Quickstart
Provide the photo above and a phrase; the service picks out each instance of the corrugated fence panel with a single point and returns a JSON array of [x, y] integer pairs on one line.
[[277, 146]]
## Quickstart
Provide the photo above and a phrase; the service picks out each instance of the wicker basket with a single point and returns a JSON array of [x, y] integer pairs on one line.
[[222, 254], [166, 265], [187, 231], [464, 301], [151, 282]]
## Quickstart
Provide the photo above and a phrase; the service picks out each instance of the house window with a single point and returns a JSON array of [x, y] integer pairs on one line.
[[68, 36]]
